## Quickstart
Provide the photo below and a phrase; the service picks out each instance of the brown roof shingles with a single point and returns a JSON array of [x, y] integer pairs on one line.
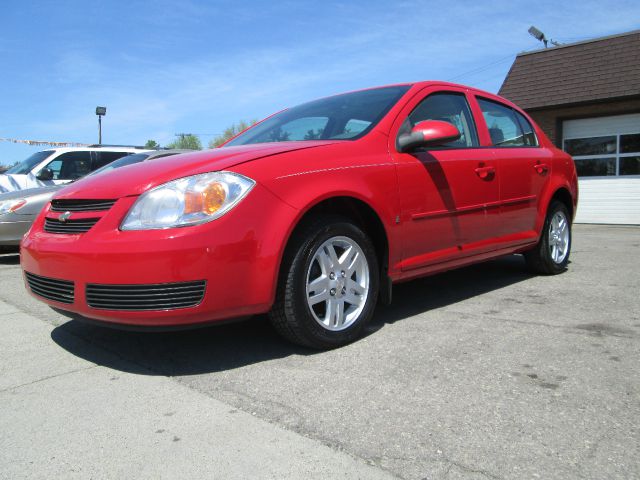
[[582, 72]]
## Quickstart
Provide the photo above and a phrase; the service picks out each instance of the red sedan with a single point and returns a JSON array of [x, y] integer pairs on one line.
[[310, 215]]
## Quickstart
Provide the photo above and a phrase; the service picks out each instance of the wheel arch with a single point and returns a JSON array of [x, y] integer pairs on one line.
[[363, 215], [562, 195]]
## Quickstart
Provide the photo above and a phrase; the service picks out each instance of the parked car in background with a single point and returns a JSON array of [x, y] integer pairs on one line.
[[61, 165], [19, 209], [310, 215]]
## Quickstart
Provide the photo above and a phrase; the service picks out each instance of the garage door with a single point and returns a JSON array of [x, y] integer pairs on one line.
[[607, 155]]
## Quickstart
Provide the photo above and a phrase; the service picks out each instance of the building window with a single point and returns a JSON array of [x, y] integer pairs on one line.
[[606, 156]]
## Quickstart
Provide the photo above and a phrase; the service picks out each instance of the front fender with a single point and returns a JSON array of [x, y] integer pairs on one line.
[[373, 185]]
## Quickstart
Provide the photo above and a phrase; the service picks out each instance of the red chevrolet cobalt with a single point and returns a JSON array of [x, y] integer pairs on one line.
[[310, 215]]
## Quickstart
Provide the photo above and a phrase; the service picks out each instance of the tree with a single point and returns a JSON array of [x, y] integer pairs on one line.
[[279, 135], [231, 132], [186, 141], [4, 168], [314, 134], [151, 144]]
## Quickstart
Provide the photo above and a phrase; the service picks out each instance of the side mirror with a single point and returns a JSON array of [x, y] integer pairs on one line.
[[45, 174], [428, 133]]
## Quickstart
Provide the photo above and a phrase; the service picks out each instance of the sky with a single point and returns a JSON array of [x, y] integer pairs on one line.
[[164, 67]]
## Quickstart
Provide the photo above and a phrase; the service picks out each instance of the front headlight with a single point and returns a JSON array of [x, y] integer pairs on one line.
[[9, 206], [187, 201]]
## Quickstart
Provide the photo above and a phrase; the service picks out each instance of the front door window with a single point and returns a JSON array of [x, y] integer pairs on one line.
[[70, 165]]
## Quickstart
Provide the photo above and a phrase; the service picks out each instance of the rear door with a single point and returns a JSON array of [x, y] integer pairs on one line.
[[525, 169], [449, 194]]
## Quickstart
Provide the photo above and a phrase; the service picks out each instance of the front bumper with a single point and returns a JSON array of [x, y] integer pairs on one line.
[[13, 227], [237, 256]]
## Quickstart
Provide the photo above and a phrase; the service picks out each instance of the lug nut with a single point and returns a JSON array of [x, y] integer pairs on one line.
[[332, 276], [332, 291], [342, 273]]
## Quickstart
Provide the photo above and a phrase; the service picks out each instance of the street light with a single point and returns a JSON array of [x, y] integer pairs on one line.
[[100, 111], [538, 35]]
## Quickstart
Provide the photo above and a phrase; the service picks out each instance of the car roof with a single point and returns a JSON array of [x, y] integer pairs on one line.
[[475, 91], [98, 149], [416, 86]]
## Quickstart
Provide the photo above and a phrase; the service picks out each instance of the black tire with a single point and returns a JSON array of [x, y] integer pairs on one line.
[[540, 259], [291, 315]]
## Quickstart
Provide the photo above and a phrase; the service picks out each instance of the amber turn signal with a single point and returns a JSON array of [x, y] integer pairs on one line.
[[214, 196]]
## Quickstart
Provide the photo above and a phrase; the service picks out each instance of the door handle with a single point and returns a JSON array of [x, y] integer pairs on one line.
[[541, 168], [485, 173]]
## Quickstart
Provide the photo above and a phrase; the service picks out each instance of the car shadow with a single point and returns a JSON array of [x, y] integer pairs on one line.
[[448, 288], [234, 345]]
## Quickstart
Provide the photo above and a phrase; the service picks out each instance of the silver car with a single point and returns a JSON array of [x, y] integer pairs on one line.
[[19, 209]]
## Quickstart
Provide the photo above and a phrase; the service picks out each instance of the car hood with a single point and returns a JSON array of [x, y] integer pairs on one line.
[[138, 178]]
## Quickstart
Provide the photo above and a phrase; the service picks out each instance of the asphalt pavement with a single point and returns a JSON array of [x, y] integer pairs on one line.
[[484, 372]]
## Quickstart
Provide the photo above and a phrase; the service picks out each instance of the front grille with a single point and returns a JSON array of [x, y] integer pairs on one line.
[[81, 205], [51, 288], [159, 296], [51, 225]]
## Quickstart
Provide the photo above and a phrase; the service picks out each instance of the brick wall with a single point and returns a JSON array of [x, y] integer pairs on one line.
[[550, 120]]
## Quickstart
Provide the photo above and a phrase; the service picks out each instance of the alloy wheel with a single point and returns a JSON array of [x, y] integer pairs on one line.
[[559, 237], [337, 283]]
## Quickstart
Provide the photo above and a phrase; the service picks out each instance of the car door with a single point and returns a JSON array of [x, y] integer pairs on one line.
[[524, 166], [448, 194], [70, 166]]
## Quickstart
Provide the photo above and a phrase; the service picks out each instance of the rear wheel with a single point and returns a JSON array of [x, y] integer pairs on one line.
[[551, 255], [329, 286]]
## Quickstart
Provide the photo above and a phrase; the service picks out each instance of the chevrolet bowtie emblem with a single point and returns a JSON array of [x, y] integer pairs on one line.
[[64, 216]]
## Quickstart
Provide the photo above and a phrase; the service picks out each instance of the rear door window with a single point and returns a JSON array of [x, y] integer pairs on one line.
[[507, 128], [529, 135]]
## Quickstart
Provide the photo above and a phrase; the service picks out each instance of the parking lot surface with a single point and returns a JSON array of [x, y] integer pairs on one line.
[[484, 372]]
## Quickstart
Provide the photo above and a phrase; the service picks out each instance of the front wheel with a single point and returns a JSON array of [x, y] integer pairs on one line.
[[329, 286], [551, 255]]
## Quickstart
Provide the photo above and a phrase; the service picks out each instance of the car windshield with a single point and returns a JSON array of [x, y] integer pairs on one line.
[[122, 162], [341, 117], [27, 165]]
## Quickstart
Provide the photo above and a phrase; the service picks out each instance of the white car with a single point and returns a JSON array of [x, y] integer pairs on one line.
[[61, 165]]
